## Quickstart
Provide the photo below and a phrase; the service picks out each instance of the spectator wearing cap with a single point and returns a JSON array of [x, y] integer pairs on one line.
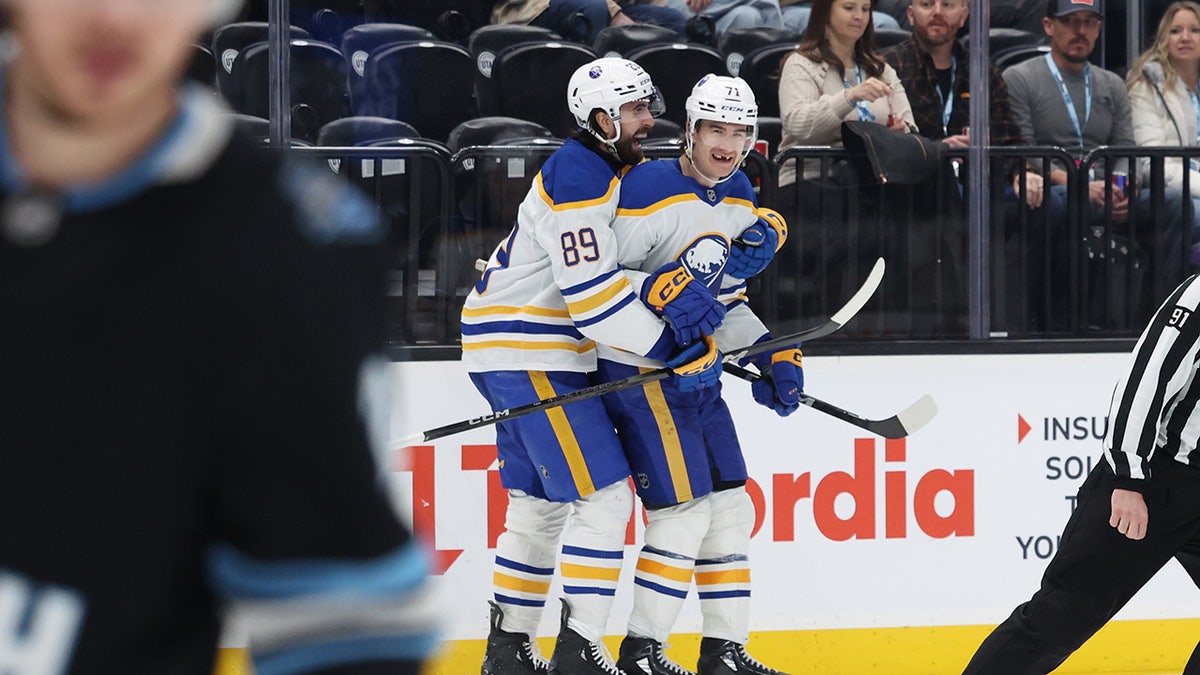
[[1063, 100]]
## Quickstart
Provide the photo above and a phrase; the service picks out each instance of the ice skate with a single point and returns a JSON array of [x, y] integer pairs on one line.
[[645, 656], [726, 657], [511, 653], [574, 655]]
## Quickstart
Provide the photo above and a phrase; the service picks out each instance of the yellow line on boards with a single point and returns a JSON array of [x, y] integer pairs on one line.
[[1121, 648]]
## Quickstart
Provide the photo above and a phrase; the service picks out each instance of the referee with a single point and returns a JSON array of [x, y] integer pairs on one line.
[[1137, 509]]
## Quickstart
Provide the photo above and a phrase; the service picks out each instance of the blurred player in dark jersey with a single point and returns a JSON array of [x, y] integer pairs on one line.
[[190, 373]]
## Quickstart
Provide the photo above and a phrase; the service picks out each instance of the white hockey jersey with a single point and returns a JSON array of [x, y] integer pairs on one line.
[[553, 289], [663, 216]]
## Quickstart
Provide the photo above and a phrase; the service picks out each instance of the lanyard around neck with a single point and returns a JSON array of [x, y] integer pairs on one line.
[[1196, 109], [864, 113], [1066, 96], [948, 97]]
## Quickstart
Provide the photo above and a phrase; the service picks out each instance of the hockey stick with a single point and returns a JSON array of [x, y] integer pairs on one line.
[[899, 425], [831, 325]]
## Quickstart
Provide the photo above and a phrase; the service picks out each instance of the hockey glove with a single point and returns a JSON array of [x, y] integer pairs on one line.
[[686, 303], [697, 365], [782, 379], [754, 249]]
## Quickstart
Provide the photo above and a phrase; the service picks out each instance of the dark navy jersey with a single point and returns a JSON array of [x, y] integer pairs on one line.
[[190, 363]]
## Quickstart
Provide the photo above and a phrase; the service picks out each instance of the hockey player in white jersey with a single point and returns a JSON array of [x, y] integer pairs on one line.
[[699, 212], [551, 291]]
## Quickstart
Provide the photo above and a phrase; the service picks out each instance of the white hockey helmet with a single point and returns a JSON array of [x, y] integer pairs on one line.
[[607, 84], [720, 98]]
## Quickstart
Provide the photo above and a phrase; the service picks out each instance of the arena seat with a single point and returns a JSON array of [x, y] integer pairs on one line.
[[203, 67], [735, 44], [1003, 39], [427, 84], [1015, 55], [317, 78], [676, 68], [664, 134], [760, 69], [254, 128], [229, 40], [488, 41], [531, 82], [358, 42], [352, 131], [327, 20], [620, 40], [886, 38]]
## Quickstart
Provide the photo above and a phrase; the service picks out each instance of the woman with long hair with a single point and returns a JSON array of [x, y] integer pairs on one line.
[[835, 75], [1164, 100]]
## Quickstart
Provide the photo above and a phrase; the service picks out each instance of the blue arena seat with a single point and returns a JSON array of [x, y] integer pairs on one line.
[[531, 80], [735, 44], [317, 80], [229, 40], [488, 41], [676, 68], [358, 43], [427, 84]]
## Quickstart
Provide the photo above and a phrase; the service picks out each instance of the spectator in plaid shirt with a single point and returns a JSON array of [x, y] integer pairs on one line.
[[934, 69]]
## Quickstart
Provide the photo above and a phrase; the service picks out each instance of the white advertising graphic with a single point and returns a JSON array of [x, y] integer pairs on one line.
[[952, 525]]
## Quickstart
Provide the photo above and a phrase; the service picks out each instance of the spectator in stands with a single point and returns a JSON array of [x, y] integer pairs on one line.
[[935, 70], [1163, 98], [583, 19], [835, 75], [796, 15], [729, 14], [1063, 100]]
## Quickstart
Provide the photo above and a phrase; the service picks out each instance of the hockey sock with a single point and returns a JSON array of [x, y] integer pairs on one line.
[[723, 567], [525, 557], [664, 568], [593, 545]]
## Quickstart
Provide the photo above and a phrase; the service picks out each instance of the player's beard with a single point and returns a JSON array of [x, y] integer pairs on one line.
[[626, 152]]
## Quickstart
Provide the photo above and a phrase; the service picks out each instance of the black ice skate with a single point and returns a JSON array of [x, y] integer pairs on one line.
[[574, 655], [645, 656], [726, 657], [511, 653]]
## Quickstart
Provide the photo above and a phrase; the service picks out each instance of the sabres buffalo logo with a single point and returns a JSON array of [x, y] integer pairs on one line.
[[705, 259]]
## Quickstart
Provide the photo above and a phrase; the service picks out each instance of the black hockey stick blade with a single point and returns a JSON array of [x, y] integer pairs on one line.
[[899, 425], [831, 325]]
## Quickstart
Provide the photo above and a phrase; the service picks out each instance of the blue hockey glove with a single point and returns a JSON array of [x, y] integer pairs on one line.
[[782, 379], [686, 303], [696, 366], [756, 247]]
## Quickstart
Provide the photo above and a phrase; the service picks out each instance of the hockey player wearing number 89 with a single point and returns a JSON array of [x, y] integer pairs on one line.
[[551, 291], [698, 212]]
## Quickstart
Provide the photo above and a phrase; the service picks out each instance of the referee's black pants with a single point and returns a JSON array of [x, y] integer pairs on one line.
[[1096, 571]]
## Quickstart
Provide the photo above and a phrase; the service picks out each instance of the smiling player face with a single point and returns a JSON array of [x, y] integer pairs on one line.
[[718, 148]]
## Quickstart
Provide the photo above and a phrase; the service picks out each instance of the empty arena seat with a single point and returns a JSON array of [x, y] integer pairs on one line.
[[620, 40], [203, 67], [675, 69], [1004, 39], [1014, 55], [229, 40], [664, 134], [317, 91], [351, 131], [531, 81], [495, 130], [760, 69], [427, 84], [255, 128], [358, 43], [450, 20], [327, 20], [735, 44], [886, 38], [488, 41]]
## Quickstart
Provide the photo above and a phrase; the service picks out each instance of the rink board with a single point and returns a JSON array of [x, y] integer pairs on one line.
[[905, 552]]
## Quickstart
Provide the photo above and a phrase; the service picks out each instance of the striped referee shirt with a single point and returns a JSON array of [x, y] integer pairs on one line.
[[1156, 404]]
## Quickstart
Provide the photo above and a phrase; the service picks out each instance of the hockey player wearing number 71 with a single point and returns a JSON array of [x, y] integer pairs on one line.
[[697, 212], [552, 290]]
